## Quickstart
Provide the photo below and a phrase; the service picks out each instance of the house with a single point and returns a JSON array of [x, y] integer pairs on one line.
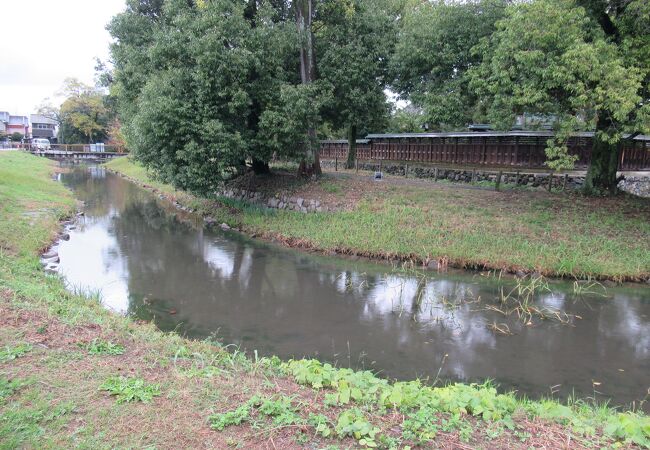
[[18, 124], [43, 127], [4, 121]]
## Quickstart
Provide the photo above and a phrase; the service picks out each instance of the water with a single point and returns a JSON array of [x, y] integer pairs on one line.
[[156, 263]]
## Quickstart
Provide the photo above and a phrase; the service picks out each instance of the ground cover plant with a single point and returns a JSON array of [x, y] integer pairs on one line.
[[63, 363]]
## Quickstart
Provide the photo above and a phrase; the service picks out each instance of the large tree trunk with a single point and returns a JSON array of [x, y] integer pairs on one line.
[[352, 146], [260, 167], [601, 175], [304, 16]]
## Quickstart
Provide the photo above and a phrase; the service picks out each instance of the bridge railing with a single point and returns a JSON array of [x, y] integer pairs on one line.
[[71, 148]]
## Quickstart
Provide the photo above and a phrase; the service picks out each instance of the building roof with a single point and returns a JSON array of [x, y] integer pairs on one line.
[[473, 134], [344, 141], [18, 120], [4, 116]]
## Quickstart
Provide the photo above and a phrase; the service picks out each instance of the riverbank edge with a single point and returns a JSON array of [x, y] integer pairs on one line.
[[208, 210], [30, 289]]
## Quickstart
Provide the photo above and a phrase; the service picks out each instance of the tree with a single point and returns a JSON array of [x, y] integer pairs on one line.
[[304, 12], [83, 116], [196, 91], [407, 120], [586, 66], [434, 53], [354, 39]]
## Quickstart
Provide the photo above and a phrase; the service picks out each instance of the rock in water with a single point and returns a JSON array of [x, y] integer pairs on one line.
[[50, 254]]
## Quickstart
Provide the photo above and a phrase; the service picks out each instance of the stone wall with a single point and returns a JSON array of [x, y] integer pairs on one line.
[[639, 186], [277, 202], [467, 176]]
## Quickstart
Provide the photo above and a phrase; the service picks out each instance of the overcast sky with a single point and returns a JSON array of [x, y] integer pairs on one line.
[[42, 42]]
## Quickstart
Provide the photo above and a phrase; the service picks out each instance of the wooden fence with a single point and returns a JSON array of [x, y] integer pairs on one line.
[[513, 149]]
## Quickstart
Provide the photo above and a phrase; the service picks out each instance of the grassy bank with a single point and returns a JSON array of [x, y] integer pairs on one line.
[[72, 374], [554, 234]]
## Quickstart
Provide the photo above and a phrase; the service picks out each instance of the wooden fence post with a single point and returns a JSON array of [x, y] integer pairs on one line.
[[566, 178], [435, 174], [406, 171], [550, 181], [336, 163], [356, 164], [497, 185]]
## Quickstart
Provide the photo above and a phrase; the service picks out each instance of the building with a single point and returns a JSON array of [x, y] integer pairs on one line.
[[18, 124], [43, 127], [4, 121]]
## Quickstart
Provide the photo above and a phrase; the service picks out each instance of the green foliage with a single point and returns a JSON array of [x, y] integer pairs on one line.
[[553, 57], [629, 427], [101, 347], [11, 353], [420, 426], [320, 424], [83, 116], [406, 121], [364, 387], [236, 417], [352, 422], [421, 404], [354, 39], [207, 87], [130, 389], [279, 408], [434, 53]]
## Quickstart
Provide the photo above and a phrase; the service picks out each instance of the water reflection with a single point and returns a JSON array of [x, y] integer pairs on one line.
[[148, 263]]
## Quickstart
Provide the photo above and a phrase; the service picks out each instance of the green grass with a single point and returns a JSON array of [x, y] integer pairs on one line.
[[554, 234], [31, 203], [160, 390]]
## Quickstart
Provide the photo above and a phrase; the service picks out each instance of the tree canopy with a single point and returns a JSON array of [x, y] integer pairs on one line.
[[434, 52], [575, 64], [83, 116], [206, 87]]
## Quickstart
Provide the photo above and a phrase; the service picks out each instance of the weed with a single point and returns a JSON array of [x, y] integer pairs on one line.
[[11, 353], [130, 389], [629, 427], [281, 410], [238, 416], [320, 423], [420, 426], [100, 347], [352, 422], [520, 302], [588, 287]]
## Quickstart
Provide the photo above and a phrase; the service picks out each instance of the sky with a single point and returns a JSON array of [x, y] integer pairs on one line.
[[42, 42]]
